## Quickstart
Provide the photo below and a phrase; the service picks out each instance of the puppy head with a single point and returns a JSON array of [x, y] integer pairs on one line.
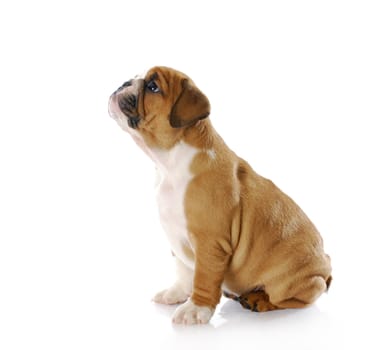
[[158, 106]]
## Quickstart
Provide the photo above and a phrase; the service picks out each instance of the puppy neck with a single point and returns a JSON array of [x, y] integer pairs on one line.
[[201, 135], [192, 140], [169, 161]]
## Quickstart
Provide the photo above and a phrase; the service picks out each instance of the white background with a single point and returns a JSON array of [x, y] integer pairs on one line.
[[295, 89]]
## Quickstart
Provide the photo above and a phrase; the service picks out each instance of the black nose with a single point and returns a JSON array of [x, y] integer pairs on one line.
[[128, 83]]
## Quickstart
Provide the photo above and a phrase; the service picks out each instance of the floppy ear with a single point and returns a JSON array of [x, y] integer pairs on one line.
[[192, 105]]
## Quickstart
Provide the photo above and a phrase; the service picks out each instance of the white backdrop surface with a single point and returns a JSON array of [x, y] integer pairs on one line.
[[295, 89]]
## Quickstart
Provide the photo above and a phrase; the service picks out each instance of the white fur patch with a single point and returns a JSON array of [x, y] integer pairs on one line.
[[174, 168], [189, 313]]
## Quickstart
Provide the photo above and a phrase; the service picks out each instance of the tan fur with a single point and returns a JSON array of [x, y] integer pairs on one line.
[[245, 233]]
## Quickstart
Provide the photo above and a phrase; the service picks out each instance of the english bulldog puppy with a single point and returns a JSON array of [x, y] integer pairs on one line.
[[230, 229]]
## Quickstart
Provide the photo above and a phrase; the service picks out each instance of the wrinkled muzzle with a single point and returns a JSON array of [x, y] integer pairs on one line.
[[123, 103]]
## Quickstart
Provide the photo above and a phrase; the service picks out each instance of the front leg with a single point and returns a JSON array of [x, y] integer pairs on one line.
[[181, 289], [210, 266]]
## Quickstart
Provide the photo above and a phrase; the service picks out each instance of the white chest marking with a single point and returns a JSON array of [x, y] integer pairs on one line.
[[174, 171]]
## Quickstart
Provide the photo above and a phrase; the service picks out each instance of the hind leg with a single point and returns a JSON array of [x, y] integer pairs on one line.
[[305, 294]]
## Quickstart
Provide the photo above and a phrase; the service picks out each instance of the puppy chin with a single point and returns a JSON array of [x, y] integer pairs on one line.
[[116, 114]]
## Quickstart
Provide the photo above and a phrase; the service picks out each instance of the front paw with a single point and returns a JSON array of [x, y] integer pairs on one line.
[[189, 313], [172, 295]]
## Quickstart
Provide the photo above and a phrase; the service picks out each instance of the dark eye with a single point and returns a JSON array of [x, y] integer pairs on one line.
[[152, 86]]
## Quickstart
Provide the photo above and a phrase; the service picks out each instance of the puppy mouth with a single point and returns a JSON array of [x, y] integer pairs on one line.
[[128, 106], [133, 122]]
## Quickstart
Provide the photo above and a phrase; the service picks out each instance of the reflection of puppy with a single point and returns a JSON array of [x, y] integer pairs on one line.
[[229, 228]]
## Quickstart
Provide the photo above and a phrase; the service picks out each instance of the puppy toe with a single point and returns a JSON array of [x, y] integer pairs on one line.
[[189, 314]]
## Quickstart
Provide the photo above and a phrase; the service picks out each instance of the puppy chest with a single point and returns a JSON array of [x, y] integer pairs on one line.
[[171, 204], [171, 198], [174, 172]]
